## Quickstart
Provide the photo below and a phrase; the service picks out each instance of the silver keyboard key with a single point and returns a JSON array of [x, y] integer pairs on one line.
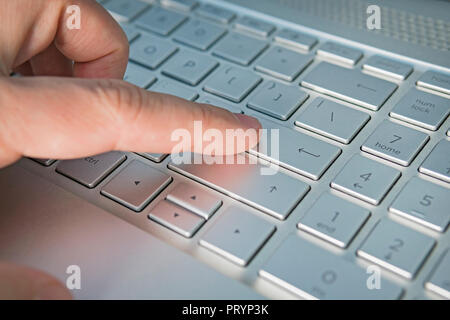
[[396, 248], [138, 76], [422, 109], [437, 164], [194, 199], [365, 179], [175, 89], [295, 39], [277, 100], [219, 103], [130, 32], [232, 83], [239, 48], [184, 5], [136, 185], [283, 63], [45, 162], [256, 26], [90, 171], [439, 282], [358, 88], [199, 34], [388, 67], [151, 51], [298, 152], [176, 218], [189, 67], [332, 120], [237, 235], [125, 10], [334, 219], [155, 157], [337, 52], [435, 81], [425, 203], [160, 21], [395, 143], [215, 13], [273, 192], [314, 273]]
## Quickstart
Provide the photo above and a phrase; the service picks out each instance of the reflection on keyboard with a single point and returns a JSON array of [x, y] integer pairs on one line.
[[359, 139]]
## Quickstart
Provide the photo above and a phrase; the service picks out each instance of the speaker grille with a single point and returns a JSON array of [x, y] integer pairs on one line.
[[396, 24]]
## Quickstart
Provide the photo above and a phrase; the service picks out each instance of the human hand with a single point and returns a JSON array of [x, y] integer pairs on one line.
[[71, 102]]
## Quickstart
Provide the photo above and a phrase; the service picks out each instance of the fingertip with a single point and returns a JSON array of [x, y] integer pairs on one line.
[[248, 122]]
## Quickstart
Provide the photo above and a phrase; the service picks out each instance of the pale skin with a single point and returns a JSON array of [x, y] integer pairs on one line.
[[71, 103]]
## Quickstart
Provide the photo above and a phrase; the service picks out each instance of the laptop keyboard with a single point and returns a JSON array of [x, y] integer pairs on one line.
[[335, 178]]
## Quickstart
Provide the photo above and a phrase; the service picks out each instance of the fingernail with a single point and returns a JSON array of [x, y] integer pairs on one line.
[[52, 292], [247, 121]]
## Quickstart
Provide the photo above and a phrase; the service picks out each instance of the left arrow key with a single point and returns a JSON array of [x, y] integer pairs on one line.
[[136, 185]]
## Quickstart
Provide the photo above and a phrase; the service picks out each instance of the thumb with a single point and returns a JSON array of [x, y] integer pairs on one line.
[[63, 118], [23, 283]]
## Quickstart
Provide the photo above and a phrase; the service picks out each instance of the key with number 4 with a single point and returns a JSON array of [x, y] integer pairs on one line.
[[365, 179]]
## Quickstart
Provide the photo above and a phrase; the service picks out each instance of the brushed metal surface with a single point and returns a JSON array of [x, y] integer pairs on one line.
[[421, 58], [54, 229]]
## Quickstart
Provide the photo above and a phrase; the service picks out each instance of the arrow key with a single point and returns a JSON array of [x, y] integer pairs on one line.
[[194, 199], [237, 236], [176, 218], [136, 185]]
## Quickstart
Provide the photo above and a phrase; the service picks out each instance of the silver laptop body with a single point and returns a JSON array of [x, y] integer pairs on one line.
[[360, 206]]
